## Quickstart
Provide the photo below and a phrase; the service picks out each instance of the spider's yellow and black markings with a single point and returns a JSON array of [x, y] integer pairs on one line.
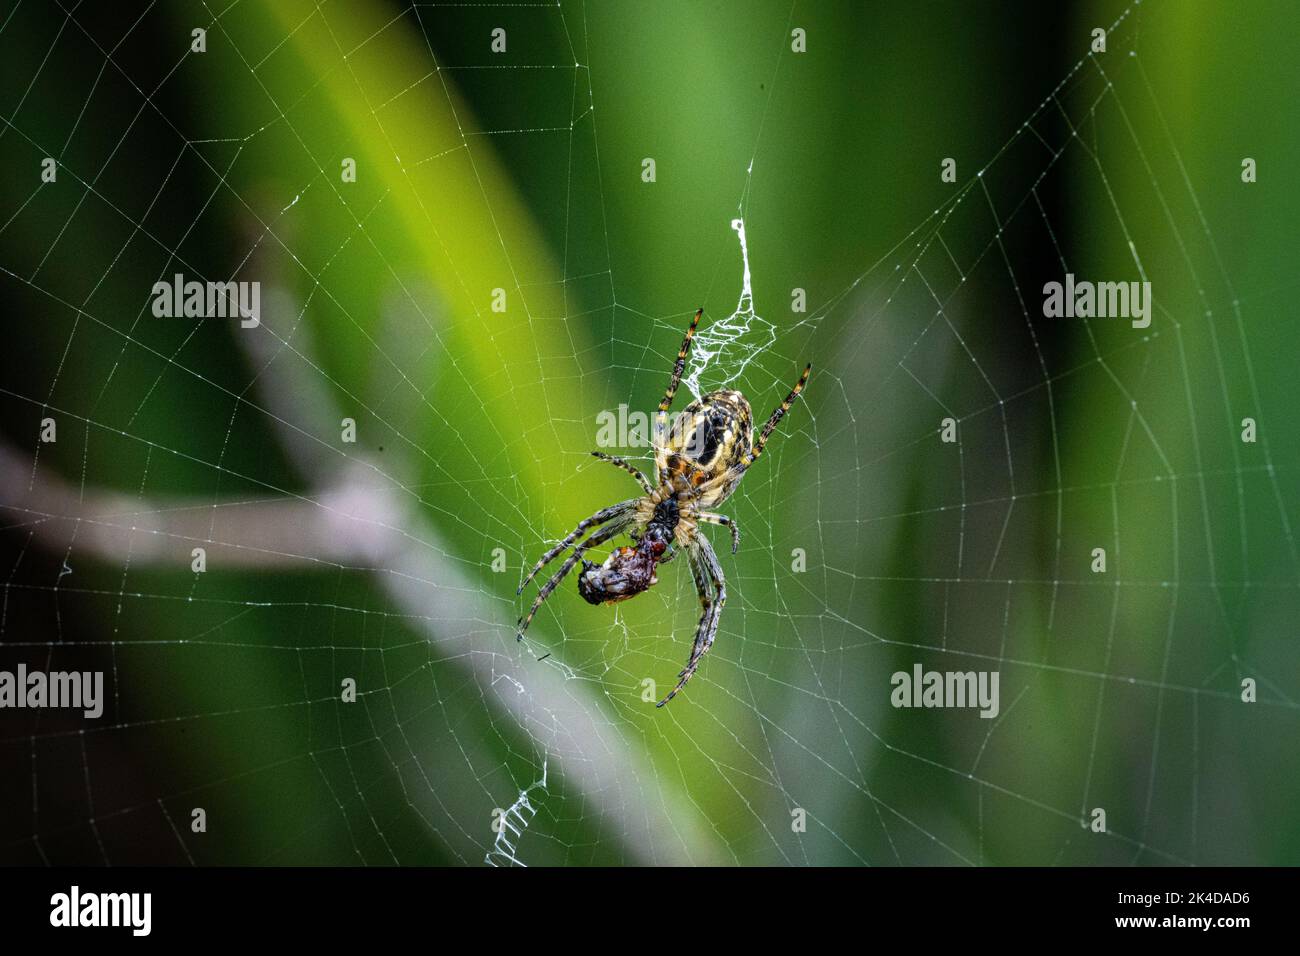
[[699, 460]]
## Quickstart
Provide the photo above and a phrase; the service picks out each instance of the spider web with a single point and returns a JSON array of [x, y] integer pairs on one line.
[[373, 561], [727, 346]]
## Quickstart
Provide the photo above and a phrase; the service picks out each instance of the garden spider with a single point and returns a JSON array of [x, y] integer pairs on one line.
[[700, 460]]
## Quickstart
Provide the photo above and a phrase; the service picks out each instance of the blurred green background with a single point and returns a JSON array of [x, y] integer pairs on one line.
[[521, 170]]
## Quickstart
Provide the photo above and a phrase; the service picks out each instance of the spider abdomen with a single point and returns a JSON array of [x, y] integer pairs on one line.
[[712, 435]]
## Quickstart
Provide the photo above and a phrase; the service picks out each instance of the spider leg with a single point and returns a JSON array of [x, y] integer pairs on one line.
[[710, 517], [661, 415], [706, 571], [776, 417], [680, 366], [596, 538], [600, 517], [631, 469]]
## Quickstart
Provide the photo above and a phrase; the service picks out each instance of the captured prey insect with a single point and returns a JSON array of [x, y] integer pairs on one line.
[[700, 460]]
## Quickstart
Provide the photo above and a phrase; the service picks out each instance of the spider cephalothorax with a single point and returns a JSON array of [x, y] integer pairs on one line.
[[699, 461]]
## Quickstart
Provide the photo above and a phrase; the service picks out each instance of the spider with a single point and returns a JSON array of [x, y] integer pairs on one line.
[[700, 460]]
